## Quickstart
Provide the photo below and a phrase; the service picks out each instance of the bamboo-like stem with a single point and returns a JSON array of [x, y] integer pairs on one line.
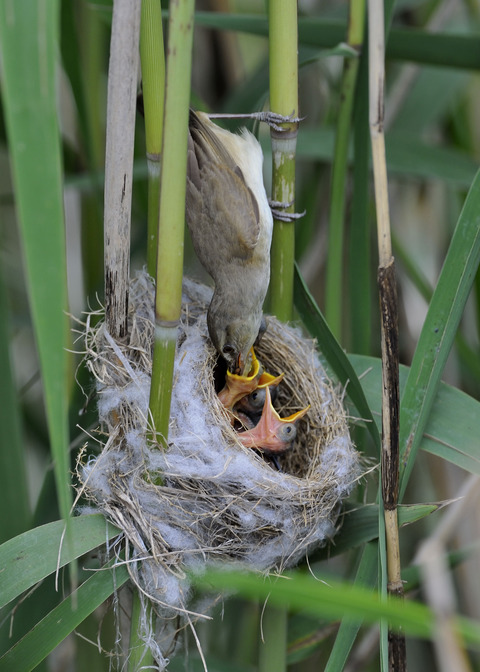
[[139, 655], [153, 82], [283, 52], [169, 268], [283, 48], [334, 280], [121, 107], [273, 654], [166, 212], [389, 321]]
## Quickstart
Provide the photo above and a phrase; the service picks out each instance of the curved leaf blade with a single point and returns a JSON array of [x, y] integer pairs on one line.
[[439, 330], [35, 554], [61, 621], [454, 417], [28, 48], [314, 321]]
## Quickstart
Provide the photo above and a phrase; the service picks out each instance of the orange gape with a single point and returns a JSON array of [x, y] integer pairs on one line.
[[244, 395]]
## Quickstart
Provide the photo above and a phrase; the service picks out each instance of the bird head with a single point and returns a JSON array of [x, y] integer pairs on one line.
[[233, 338]]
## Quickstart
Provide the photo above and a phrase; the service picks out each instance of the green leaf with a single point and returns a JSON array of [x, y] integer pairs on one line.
[[454, 417], [360, 269], [314, 321], [29, 47], [439, 329], [35, 554], [366, 577], [407, 154], [359, 525], [62, 620], [404, 44], [333, 599], [13, 481]]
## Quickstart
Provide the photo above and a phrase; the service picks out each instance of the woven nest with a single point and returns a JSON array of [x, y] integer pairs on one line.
[[217, 500]]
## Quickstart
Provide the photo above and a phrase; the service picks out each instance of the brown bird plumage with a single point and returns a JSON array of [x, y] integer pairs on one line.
[[230, 221]]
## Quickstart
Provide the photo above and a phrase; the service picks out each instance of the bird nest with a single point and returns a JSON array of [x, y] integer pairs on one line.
[[208, 498]]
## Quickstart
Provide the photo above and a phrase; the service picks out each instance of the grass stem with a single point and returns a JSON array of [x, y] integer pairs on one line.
[[283, 48], [153, 83], [390, 461], [336, 233]]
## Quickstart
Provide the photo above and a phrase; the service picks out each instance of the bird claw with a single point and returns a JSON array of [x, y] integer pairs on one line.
[[273, 119], [279, 211]]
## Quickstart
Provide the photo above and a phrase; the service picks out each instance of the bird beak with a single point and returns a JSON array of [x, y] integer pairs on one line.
[[267, 380], [273, 434], [238, 386], [245, 368]]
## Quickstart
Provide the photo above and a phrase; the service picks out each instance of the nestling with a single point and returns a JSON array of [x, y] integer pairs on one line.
[[272, 434], [231, 224]]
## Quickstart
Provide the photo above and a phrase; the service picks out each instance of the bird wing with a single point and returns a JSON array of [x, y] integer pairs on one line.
[[221, 209]]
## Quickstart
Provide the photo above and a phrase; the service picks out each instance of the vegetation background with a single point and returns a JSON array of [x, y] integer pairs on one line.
[[51, 243]]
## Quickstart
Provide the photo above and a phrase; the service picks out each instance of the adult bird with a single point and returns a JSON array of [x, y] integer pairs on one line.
[[230, 221]]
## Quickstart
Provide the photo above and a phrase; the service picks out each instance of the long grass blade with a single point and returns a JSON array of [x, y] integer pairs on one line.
[[404, 44], [334, 599], [336, 226], [439, 330], [367, 576], [331, 351], [35, 554], [13, 479], [454, 417], [61, 621], [29, 46]]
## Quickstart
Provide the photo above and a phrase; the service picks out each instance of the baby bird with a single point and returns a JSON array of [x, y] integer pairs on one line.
[[273, 434], [230, 221]]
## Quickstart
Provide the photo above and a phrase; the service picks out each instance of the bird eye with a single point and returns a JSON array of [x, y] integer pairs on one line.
[[257, 398], [287, 432], [228, 349]]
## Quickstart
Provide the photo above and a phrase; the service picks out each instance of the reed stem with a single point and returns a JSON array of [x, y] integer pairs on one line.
[[283, 49], [153, 83], [169, 266], [121, 107], [336, 232], [389, 320]]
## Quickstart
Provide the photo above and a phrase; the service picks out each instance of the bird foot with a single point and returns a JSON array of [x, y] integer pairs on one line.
[[279, 211], [271, 118]]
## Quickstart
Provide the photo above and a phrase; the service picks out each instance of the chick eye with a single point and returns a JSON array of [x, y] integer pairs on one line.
[[257, 398], [228, 349], [287, 432]]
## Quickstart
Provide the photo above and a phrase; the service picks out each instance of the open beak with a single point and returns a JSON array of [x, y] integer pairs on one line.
[[238, 386], [272, 434], [252, 404]]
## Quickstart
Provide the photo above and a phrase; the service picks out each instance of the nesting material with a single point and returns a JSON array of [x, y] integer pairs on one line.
[[209, 499]]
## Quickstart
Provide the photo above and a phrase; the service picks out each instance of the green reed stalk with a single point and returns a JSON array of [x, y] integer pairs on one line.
[[283, 52], [169, 267], [336, 231], [153, 82], [390, 454], [166, 221], [283, 48]]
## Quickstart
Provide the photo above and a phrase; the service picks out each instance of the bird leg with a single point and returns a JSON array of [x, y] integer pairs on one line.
[[278, 211], [271, 118]]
